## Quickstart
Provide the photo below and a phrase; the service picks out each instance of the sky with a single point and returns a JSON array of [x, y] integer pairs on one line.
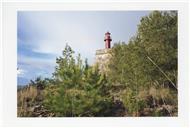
[[42, 36]]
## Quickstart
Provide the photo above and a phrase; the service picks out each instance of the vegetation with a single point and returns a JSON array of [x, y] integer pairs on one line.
[[141, 79]]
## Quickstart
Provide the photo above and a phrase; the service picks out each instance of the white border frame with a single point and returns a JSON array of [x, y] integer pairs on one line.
[[10, 65]]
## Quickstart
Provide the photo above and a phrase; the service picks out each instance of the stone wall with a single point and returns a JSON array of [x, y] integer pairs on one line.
[[102, 58]]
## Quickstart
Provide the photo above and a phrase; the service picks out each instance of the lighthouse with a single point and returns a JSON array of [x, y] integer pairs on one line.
[[107, 40], [103, 56]]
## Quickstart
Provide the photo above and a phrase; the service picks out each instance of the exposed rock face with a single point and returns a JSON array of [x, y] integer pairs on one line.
[[102, 59]]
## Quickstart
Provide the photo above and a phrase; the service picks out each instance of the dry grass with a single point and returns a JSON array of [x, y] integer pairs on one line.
[[25, 98]]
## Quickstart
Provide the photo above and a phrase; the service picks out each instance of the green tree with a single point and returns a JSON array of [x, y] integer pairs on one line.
[[158, 40], [148, 60], [80, 89]]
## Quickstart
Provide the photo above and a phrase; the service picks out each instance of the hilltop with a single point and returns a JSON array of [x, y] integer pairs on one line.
[[140, 78]]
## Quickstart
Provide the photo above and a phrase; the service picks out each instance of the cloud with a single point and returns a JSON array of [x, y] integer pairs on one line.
[[42, 35], [36, 62], [57, 29], [32, 67], [20, 72]]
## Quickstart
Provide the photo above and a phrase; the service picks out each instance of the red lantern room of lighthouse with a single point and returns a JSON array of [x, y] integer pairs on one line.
[[107, 40]]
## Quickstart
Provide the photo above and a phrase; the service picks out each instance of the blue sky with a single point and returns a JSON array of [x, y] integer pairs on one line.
[[42, 35]]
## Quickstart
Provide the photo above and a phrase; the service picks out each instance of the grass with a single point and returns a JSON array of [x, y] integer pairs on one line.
[[25, 100]]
